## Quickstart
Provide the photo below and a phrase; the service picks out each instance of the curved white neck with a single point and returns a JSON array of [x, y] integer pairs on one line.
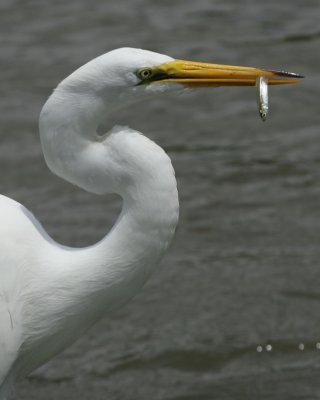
[[79, 285], [105, 275]]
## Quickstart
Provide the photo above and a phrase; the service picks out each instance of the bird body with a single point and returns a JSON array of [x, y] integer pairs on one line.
[[71, 288], [50, 293]]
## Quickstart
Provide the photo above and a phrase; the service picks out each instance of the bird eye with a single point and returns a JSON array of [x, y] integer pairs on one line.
[[144, 73]]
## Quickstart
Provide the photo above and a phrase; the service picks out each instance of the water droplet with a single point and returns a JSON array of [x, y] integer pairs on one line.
[[268, 347], [259, 349], [318, 346], [301, 346]]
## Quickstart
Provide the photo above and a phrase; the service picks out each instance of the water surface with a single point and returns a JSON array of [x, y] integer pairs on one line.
[[244, 267]]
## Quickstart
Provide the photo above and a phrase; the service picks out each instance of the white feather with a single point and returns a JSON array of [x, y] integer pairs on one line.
[[49, 293]]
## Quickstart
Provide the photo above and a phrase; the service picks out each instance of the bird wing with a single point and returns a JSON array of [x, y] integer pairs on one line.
[[21, 239], [9, 337], [13, 234], [8, 345]]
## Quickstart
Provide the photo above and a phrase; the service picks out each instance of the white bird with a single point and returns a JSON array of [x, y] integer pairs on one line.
[[49, 293]]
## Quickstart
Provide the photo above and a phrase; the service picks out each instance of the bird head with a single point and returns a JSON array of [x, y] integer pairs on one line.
[[142, 69], [73, 144]]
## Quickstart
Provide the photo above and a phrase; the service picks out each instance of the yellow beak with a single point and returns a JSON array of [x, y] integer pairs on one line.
[[193, 73]]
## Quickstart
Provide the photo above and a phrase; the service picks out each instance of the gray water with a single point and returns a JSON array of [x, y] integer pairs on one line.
[[244, 267]]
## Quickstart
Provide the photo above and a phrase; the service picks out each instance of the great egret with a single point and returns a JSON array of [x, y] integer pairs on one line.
[[50, 293]]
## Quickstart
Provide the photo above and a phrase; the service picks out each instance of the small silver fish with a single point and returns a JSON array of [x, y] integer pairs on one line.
[[262, 96]]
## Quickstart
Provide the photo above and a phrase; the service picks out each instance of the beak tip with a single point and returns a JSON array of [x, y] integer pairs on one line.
[[286, 74]]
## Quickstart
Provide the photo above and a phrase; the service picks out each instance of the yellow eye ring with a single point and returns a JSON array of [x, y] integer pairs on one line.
[[145, 73]]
